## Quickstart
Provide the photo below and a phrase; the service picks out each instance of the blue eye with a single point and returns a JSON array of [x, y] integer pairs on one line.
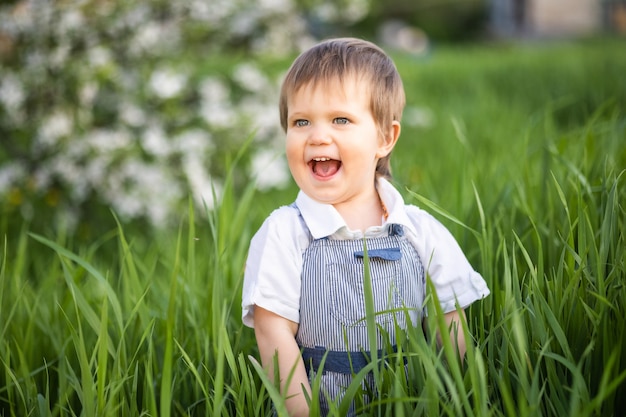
[[301, 123], [341, 121]]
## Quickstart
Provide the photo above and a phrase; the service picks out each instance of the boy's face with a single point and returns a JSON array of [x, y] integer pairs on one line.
[[333, 142]]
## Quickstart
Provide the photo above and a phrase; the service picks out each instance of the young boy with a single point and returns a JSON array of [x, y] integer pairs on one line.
[[340, 106]]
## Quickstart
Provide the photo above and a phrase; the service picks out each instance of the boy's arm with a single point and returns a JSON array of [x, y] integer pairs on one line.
[[275, 334], [453, 323]]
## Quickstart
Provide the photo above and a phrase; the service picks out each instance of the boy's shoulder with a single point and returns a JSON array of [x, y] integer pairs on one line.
[[284, 213], [284, 227], [286, 217], [422, 221], [417, 214]]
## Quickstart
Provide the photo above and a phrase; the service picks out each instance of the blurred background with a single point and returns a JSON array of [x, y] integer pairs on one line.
[[138, 107]]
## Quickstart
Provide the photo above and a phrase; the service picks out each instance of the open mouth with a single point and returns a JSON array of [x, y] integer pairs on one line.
[[324, 167]]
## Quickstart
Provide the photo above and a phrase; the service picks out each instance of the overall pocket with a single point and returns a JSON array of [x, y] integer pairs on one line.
[[347, 291]]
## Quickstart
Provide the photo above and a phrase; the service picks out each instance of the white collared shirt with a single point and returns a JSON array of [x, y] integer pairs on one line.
[[274, 264]]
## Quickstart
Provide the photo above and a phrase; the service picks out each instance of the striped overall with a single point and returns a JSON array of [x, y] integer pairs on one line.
[[332, 305]]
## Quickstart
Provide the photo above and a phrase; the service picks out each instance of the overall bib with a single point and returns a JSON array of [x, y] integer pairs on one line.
[[332, 305]]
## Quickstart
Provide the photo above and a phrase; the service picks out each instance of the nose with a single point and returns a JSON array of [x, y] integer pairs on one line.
[[319, 135]]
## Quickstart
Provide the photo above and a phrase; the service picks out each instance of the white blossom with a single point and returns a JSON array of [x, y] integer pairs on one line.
[[132, 114], [213, 90], [96, 170], [244, 22], [249, 77], [87, 93], [281, 40], [107, 140], [148, 36], [199, 180], [70, 19], [212, 12], [354, 11], [60, 55], [275, 6], [137, 188], [215, 107], [24, 17], [217, 116], [155, 142], [41, 178], [136, 16], [67, 171], [154, 37], [11, 172], [263, 117], [11, 91], [53, 127], [99, 56], [193, 141], [269, 169], [167, 83]]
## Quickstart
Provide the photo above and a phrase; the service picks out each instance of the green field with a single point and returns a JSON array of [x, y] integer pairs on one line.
[[519, 148]]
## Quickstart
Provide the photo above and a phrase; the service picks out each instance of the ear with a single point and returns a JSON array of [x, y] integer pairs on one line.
[[389, 139]]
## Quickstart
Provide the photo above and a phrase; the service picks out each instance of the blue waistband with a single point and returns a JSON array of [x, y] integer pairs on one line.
[[343, 362]]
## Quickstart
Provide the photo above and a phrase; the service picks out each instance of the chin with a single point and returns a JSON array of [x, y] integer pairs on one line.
[[321, 198]]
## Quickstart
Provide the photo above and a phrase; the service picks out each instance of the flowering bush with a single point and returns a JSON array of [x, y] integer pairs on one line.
[[129, 105]]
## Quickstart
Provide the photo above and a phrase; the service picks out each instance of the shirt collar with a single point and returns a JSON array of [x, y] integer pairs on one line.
[[323, 220]]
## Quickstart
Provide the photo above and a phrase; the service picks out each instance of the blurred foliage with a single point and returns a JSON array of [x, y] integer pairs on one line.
[[137, 107], [464, 102], [453, 20]]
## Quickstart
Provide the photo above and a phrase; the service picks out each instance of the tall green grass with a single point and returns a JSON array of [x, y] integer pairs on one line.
[[530, 181]]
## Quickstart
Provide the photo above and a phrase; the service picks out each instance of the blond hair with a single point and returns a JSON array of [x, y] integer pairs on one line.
[[336, 59]]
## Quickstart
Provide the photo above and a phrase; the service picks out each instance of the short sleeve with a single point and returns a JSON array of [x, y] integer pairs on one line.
[[273, 267], [454, 279]]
